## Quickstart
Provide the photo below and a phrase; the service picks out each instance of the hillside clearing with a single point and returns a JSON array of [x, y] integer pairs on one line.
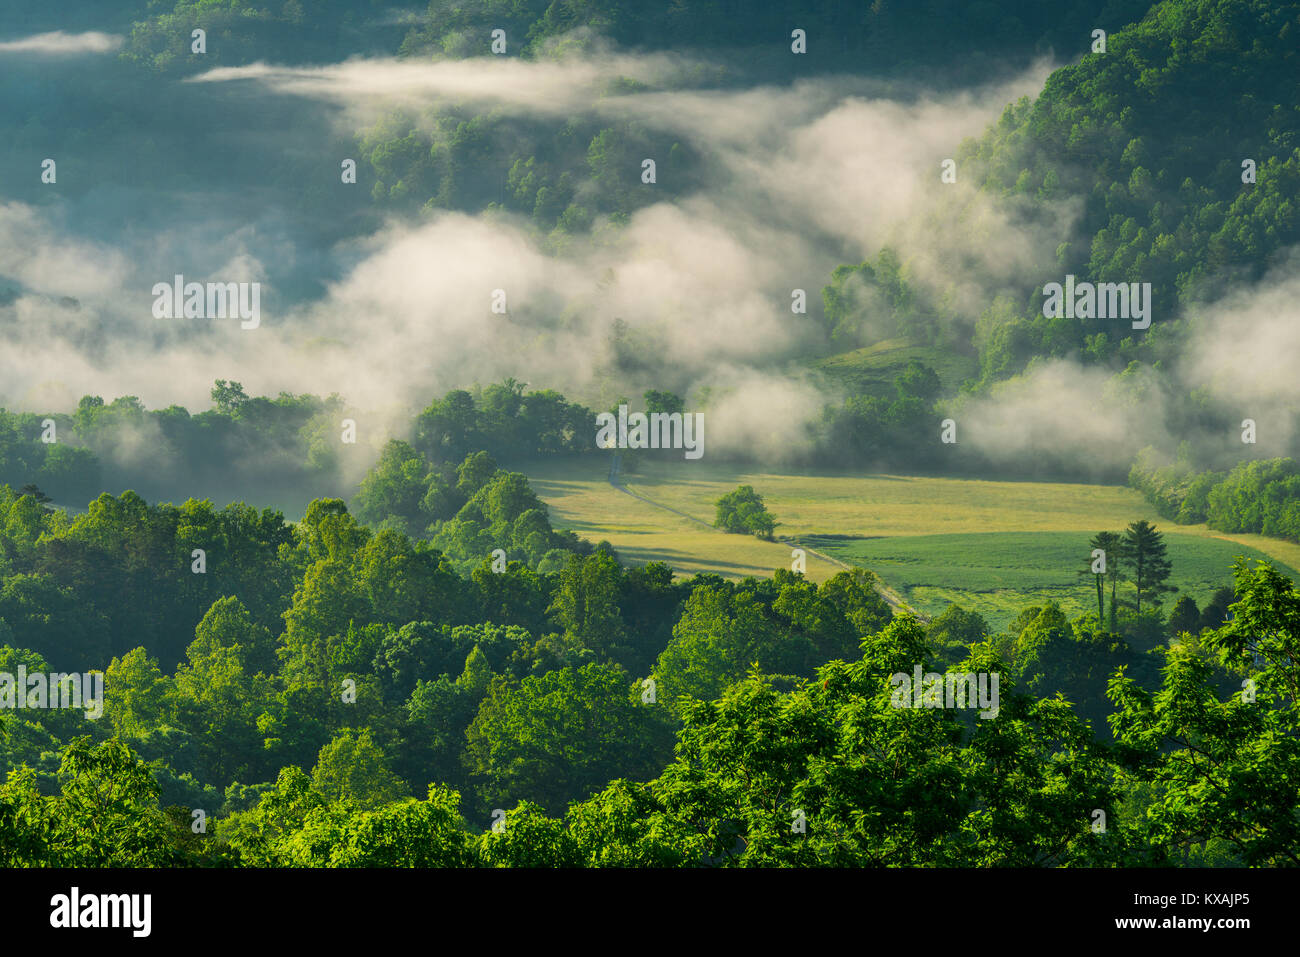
[[867, 517]]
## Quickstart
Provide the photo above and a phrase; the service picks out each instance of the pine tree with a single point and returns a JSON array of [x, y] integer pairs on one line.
[[1144, 549]]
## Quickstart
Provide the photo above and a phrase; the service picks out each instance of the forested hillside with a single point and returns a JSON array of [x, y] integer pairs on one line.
[[336, 676]]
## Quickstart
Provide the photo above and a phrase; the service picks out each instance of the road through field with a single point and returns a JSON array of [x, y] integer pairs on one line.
[[996, 546], [888, 594]]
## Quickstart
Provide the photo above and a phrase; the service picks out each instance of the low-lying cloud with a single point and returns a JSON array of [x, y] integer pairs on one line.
[[691, 294], [59, 43]]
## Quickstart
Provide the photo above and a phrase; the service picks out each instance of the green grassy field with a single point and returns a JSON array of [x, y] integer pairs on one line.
[[999, 573], [993, 546], [871, 370]]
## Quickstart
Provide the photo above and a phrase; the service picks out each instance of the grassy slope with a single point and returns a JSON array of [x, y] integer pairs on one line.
[[871, 371], [1000, 573], [927, 537]]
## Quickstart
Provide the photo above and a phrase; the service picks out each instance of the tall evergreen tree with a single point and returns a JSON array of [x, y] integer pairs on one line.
[[1144, 549]]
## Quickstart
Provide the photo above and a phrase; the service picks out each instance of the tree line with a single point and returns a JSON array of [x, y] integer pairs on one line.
[[1260, 496]]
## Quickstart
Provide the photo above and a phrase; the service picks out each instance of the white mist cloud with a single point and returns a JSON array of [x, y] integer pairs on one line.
[[1236, 357], [1062, 409], [760, 416], [1242, 351], [543, 87], [59, 43], [37, 252], [1244, 347], [691, 294]]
